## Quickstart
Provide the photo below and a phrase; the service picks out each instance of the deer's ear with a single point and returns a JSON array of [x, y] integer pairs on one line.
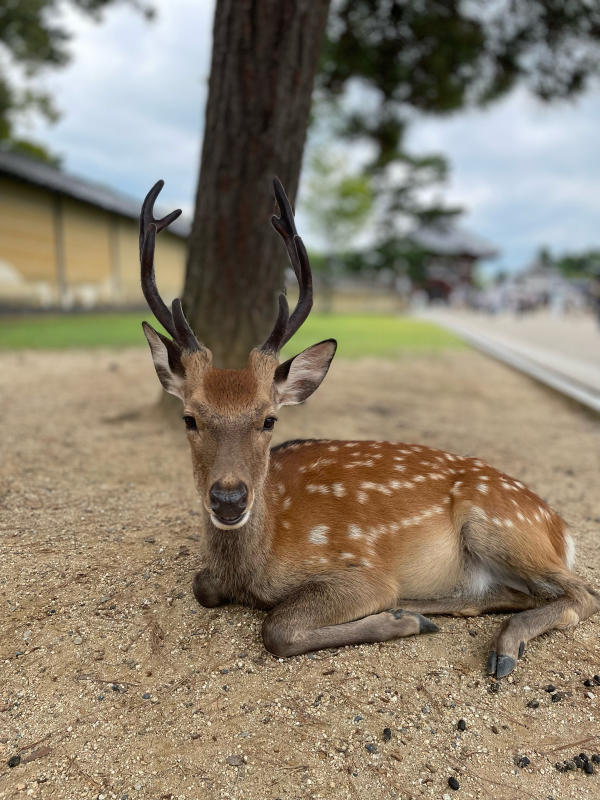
[[167, 361], [297, 379]]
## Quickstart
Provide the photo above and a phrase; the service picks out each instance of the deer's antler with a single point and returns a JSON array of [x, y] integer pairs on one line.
[[174, 320], [285, 325]]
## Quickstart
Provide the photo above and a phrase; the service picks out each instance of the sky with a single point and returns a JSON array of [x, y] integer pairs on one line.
[[132, 103]]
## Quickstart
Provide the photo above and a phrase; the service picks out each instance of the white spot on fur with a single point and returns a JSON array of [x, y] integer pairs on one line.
[[482, 487], [399, 467], [287, 502], [317, 488], [394, 484], [520, 516], [318, 534], [569, 551], [509, 523], [333, 448], [347, 555], [375, 487], [519, 484], [323, 560], [338, 489], [419, 478], [496, 521], [361, 497], [354, 532]]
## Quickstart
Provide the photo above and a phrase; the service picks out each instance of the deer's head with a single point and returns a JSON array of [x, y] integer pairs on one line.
[[230, 414]]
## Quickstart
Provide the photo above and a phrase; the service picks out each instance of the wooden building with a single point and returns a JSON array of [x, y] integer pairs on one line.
[[450, 255], [67, 243]]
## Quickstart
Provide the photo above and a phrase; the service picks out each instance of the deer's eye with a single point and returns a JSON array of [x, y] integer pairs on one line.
[[190, 422], [269, 423]]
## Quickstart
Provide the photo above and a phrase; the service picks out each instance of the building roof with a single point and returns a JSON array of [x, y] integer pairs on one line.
[[50, 177], [452, 240]]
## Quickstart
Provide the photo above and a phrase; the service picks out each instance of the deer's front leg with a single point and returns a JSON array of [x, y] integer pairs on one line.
[[206, 591], [320, 615]]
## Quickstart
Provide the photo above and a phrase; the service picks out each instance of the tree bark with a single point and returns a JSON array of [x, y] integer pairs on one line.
[[264, 59]]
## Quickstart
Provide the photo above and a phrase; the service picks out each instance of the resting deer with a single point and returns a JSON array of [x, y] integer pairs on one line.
[[348, 542]]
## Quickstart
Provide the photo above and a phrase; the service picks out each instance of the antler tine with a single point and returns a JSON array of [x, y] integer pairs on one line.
[[286, 228], [175, 323]]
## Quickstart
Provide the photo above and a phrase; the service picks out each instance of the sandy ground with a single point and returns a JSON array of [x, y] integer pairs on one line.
[[115, 684]]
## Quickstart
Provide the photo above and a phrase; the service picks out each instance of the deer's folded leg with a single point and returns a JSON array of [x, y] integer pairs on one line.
[[321, 614], [206, 590]]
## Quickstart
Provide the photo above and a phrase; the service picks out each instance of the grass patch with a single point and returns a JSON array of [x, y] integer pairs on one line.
[[357, 334]]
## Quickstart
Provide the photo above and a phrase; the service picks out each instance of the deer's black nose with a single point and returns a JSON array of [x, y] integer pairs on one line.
[[228, 503]]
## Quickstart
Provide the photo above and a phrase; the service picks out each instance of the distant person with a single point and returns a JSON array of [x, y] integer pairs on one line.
[[594, 294]]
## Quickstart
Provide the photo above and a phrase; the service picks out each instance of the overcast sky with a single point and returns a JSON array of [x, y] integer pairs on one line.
[[132, 103]]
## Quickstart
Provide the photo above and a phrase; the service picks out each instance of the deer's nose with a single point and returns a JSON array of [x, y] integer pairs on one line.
[[228, 503]]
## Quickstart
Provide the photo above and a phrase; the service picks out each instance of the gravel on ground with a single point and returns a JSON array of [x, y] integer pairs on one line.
[[114, 683]]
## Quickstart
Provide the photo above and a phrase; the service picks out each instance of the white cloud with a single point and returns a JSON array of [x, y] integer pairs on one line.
[[527, 173]]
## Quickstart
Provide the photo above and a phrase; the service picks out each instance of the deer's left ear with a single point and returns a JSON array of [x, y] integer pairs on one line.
[[297, 379], [167, 361]]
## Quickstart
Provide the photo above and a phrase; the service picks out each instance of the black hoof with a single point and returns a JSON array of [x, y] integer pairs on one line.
[[505, 666], [521, 649], [426, 625], [491, 664]]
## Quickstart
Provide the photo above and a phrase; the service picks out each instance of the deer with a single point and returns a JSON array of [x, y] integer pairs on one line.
[[348, 542]]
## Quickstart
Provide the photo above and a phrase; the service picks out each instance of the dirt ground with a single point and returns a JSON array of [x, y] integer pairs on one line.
[[115, 684]]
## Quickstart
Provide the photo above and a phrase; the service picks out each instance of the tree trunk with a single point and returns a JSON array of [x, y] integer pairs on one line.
[[264, 58]]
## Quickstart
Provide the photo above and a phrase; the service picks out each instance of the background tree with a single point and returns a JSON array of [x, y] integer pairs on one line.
[[33, 38], [385, 61], [382, 61], [264, 58]]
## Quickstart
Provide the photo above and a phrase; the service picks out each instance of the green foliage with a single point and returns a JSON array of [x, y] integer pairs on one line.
[[573, 265], [33, 38], [357, 334], [385, 59], [337, 200]]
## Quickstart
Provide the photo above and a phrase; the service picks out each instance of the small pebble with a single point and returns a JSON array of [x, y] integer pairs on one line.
[[533, 704], [115, 687], [597, 680], [357, 718], [372, 748], [588, 767], [494, 729], [550, 688], [14, 761], [596, 758], [146, 696], [570, 765], [588, 682], [556, 698], [584, 756], [523, 762], [461, 725], [453, 783], [235, 760], [387, 734]]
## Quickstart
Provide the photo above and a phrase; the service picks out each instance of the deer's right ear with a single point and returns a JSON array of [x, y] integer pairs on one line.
[[167, 361]]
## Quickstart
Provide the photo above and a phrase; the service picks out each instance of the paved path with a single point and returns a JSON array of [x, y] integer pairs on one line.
[[563, 352]]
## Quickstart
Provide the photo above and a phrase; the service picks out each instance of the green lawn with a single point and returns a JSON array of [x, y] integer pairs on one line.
[[357, 334]]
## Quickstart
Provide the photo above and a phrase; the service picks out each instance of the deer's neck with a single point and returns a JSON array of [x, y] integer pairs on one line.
[[238, 558]]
